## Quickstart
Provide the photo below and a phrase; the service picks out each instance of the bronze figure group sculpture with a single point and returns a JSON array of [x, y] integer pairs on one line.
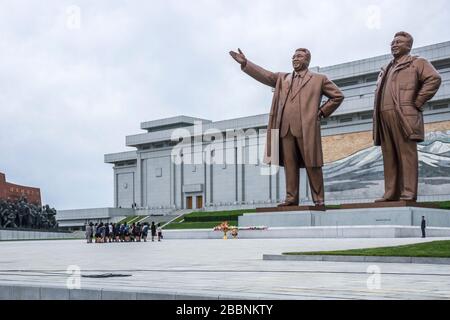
[[23, 215], [403, 87]]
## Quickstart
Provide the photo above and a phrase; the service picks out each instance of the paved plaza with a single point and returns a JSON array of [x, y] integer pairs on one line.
[[221, 268]]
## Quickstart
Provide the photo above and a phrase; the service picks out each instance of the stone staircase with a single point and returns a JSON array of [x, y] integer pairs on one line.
[[164, 219]]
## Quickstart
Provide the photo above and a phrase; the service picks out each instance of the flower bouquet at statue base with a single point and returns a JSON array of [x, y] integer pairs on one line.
[[224, 227]]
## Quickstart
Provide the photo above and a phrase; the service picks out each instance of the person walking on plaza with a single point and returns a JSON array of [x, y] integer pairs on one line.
[[153, 230], [423, 226], [159, 231]]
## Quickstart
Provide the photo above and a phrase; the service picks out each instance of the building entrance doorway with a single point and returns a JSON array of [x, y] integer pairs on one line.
[[199, 202], [189, 202], [194, 202]]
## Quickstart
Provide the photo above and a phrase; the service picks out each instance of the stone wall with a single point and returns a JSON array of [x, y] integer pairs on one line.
[[11, 235], [343, 145], [15, 192]]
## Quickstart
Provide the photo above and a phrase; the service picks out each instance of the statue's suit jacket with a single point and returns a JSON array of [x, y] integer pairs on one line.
[[414, 82], [309, 96]]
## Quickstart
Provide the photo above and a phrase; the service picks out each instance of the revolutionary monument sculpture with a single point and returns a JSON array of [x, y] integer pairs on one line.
[[21, 214], [403, 88], [295, 114]]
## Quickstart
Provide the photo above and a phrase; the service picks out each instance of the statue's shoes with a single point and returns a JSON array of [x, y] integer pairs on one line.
[[287, 204], [319, 204], [384, 200], [412, 199]]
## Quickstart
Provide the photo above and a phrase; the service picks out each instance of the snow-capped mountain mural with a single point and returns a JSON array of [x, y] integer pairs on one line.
[[360, 176]]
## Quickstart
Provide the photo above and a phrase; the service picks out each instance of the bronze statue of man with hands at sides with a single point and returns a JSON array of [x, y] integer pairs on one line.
[[403, 88]]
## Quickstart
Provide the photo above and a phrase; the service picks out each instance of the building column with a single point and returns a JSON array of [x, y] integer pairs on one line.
[[138, 183], [240, 167], [205, 184], [116, 190], [183, 205], [177, 185], [173, 181], [211, 184]]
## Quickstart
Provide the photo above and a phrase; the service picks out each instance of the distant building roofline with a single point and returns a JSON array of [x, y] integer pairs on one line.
[[171, 123]]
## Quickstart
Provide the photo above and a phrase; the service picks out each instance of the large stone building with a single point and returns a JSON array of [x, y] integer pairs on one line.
[[13, 192], [151, 178]]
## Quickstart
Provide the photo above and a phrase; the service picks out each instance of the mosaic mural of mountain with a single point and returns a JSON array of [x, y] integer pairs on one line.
[[360, 176]]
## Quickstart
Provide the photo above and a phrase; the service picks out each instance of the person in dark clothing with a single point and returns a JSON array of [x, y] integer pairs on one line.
[[132, 232], [126, 232], [106, 237], [122, 233], [423, 226], [137, 232], [102, 232], [153, 229], [117, 232]]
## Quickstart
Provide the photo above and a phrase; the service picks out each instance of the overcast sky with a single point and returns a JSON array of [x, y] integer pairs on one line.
[[76, 77]]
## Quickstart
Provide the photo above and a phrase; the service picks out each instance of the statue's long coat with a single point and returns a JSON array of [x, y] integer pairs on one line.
[[414, 82], [313, 87]]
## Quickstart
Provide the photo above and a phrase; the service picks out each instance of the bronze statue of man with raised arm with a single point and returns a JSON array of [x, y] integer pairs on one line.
[[296, 112], [403, 88]]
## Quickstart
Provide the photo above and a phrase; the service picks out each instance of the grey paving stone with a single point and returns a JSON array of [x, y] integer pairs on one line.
[[445, 261], [387, 259], [155, 296], [5, 292], [118, 295], [218, 268], [25, 293], [367, 259], [85, 294], [343, 258], [49, 293]]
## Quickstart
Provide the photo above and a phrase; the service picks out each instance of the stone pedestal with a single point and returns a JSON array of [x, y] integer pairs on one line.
[[388, 216], [291, 209], [389, 204]]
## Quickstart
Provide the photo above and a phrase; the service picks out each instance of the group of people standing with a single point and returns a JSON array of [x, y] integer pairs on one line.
[[115, 232]]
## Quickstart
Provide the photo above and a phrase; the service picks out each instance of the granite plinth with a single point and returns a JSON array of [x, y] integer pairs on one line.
[[387, 216], [291, 208], [389, 204]]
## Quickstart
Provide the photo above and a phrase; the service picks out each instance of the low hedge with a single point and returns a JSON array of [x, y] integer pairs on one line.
[[196, 225], [218, 216], [211, 218]]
